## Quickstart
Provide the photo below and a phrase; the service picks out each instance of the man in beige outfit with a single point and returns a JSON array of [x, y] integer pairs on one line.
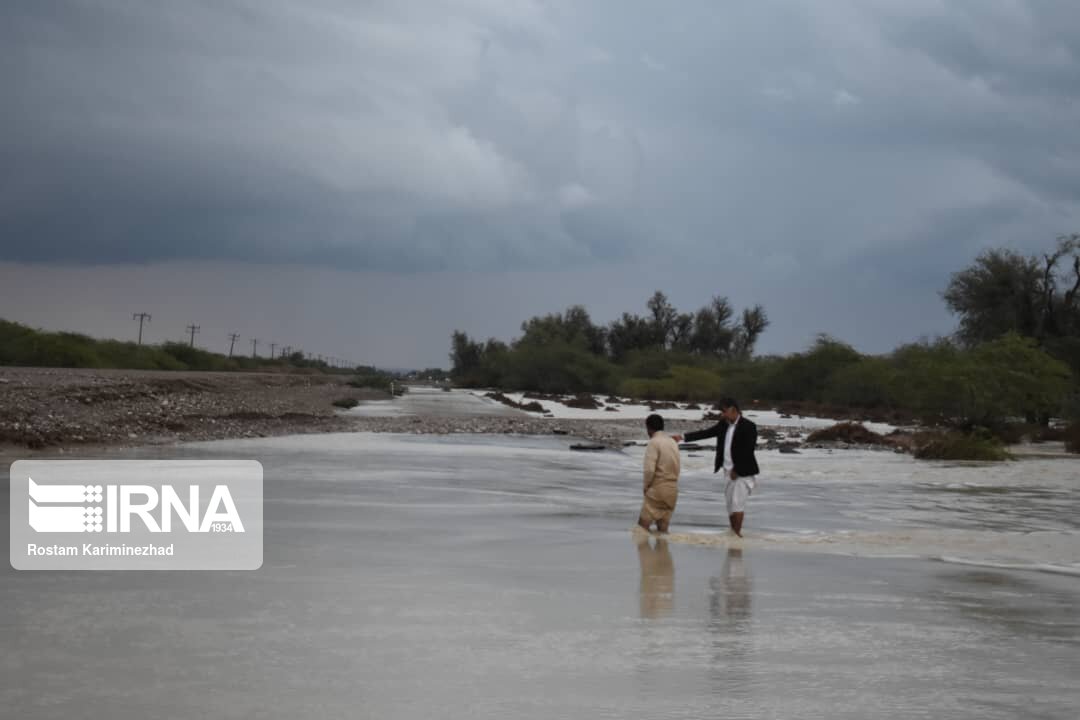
[[661, 476]]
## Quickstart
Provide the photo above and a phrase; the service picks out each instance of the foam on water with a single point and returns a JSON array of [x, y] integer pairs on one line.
[[1042, 552], [857, 503], [632, 410]]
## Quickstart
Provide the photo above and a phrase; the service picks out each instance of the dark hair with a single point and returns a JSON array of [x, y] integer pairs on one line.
[[727, 402], [654, 422]]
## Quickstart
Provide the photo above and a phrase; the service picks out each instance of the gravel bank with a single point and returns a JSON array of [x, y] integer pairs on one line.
[[612, 433], [59, 410], [42, 408], [606, 432]]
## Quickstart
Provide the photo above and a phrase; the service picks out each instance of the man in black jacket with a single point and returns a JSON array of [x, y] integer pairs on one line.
[[736, 438]]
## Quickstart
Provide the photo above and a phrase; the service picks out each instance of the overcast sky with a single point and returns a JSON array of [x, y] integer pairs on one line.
[[361, 178]]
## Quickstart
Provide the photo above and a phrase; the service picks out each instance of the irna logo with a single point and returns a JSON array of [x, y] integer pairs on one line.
[[114, 508]]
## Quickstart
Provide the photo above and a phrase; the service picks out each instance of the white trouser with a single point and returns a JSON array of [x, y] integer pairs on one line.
[[737, 491]]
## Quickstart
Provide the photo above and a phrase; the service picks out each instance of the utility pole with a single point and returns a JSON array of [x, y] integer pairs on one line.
[[272, 346], [254, 347], [140, 317], [232, 341], [193, 328]]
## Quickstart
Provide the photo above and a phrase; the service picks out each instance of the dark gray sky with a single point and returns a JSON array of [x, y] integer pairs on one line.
[[363, 178]]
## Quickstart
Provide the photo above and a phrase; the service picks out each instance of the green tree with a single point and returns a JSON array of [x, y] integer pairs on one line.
[[712, 333], [868, 383], [629, 333], [754, 322], [1010, 377], [1004, 291], [998, 294], [574, 326], [465, 355], [804, 376], [663, 318], [1019, 379], [556, 367]]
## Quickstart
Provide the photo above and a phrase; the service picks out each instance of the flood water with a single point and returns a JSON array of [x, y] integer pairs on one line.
[[412, 576]]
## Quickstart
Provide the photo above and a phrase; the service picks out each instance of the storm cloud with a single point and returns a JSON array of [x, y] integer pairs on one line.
[[777, 151]]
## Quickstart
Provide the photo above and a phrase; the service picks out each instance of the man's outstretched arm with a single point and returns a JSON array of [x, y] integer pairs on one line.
[[715, 431]]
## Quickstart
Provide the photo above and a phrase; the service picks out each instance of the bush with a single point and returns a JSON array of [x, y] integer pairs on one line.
[[868, 383], [194, 358], [959, 446], [582, 401], [557, 367], [805, 376], [375, 381], [651, 364], [687, 384], [848, 432], [346, 403], [1016, 433], [1072, 438]]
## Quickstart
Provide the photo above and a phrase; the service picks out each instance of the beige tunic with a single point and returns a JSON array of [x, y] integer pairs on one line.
[[662, 467]]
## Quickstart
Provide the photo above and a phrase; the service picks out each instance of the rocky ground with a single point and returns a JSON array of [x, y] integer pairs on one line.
[[42, 408], [610, 433], [54, 409]]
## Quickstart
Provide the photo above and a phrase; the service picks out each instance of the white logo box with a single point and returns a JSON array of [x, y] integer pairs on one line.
[[136, 515]]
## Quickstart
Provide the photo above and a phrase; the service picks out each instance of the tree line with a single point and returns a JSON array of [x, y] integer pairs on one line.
[[568, 352], [1015, 353]]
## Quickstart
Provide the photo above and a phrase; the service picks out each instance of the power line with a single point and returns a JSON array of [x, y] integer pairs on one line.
[[254, 347], [232, 341], [193, 329], [272, 346], [140, 317]]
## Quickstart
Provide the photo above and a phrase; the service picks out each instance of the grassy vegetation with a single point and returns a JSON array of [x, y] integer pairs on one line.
[[23, 345], [938, 383], [960, 446], [372, 379]]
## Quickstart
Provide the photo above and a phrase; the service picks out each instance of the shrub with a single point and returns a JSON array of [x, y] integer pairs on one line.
[[582, 401], [375, 381], [959, 446], [1072, 438], [868, 383], [688, 384], [556, 367], [346, 403], [848, 432], [194, 358]]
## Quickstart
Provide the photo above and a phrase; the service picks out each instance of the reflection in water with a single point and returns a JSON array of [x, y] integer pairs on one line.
[[657, 577], [730, 596], [729, 625]]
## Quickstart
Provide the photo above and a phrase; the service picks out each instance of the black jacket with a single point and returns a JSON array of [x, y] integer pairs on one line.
[[742, 445]]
